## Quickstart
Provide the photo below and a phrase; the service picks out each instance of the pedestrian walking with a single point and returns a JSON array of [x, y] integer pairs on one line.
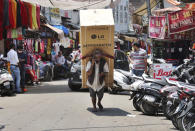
[[22, 60], [12, 57], [139, 59], [97, 69]]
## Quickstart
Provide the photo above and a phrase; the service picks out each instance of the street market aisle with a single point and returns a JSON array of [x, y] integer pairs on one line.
[[54, 107]]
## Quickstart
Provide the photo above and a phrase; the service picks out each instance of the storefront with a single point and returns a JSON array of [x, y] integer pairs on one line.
[[172, 31]]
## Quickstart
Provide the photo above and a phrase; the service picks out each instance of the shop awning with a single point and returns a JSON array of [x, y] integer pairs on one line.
[[161, 12], [58, 31], [143, 9], [131, 39], [61, 27], [174, 2], [72, 4]]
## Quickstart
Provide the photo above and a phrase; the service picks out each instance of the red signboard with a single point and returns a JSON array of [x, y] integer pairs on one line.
[[157, 27], [181, 21]]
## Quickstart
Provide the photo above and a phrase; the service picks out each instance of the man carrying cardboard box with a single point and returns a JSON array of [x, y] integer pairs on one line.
[[97, 69]]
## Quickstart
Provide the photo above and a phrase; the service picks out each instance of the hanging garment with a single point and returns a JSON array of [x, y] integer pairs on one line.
[[19, 19], [38, 15], [14, 12], [5, 14], [49, 47], [19, 31], [9, 33], [1, 19], [11, 17], [28, 7], [42, 46], [34, 18], [14, 34], [23, 14], [36, 47]]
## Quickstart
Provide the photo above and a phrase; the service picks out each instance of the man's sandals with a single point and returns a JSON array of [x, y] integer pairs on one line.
[[100, 106]]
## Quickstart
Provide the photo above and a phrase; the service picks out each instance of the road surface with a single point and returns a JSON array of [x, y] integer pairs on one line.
[[52, 106]]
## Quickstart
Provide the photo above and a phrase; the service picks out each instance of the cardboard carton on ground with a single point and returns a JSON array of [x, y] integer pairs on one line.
[[97, 32]]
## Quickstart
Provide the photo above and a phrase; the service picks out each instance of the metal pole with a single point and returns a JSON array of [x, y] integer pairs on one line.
[[148, 8]]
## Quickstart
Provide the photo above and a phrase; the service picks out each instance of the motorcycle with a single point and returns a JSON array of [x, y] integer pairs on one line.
[[186, 97], [6, 81]]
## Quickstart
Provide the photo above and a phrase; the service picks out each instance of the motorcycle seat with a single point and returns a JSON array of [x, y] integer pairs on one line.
[[160, 82], [190, 93]]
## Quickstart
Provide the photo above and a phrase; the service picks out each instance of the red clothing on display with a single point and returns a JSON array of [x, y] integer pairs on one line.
[[24, 14], [11, 17], [14, 12], [29, 13], [38, 15]]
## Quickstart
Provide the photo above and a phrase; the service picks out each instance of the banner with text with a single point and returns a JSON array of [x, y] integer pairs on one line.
[[181, 21], [161, 70], [157, 27]]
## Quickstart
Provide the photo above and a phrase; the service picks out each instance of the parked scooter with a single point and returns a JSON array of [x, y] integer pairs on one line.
[[184, 112], [6, 81]]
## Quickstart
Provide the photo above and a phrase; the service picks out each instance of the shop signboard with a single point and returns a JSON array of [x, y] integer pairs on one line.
[[157, 27], [97, 32], [181, 21], [55, 16], [162, 70]]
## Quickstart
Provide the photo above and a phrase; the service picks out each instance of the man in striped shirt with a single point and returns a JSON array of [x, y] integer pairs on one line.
[[139, 60]]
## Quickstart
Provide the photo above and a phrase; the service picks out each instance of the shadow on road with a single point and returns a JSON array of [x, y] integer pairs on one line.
[[109, 112], [106, 127], [51, 87]]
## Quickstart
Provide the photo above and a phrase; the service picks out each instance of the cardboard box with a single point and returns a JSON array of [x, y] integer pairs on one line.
[[97, 32]]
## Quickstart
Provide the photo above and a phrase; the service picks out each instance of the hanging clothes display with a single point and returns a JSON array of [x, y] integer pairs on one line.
[[5, 13], [49, 47], [19, 22], [11, 17], [42, 46], [38, 15], [34, 18], [14, 10]]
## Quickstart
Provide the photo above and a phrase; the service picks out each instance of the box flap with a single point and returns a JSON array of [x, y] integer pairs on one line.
[[96, 17]]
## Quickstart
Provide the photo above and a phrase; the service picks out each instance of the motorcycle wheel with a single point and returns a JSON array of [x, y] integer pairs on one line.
[[191, 126], [168, 110], [174, 122], [184, 123], [48, 75], [147, 109], [73, 87], [135, 104]]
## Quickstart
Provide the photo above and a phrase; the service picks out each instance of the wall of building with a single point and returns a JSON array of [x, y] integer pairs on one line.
[[73, 14], [121, 16]]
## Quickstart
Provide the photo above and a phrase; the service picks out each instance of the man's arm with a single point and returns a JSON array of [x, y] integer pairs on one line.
[[146, 66], [145, 62], [130, 58], [106, 70], [16, 58], [90, 70]]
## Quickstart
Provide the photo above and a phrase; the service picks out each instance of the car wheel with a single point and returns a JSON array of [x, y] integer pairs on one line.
[[48, 75], [72, 86]]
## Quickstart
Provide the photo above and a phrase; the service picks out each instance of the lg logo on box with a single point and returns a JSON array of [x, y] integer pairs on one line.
[[94, 36]]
